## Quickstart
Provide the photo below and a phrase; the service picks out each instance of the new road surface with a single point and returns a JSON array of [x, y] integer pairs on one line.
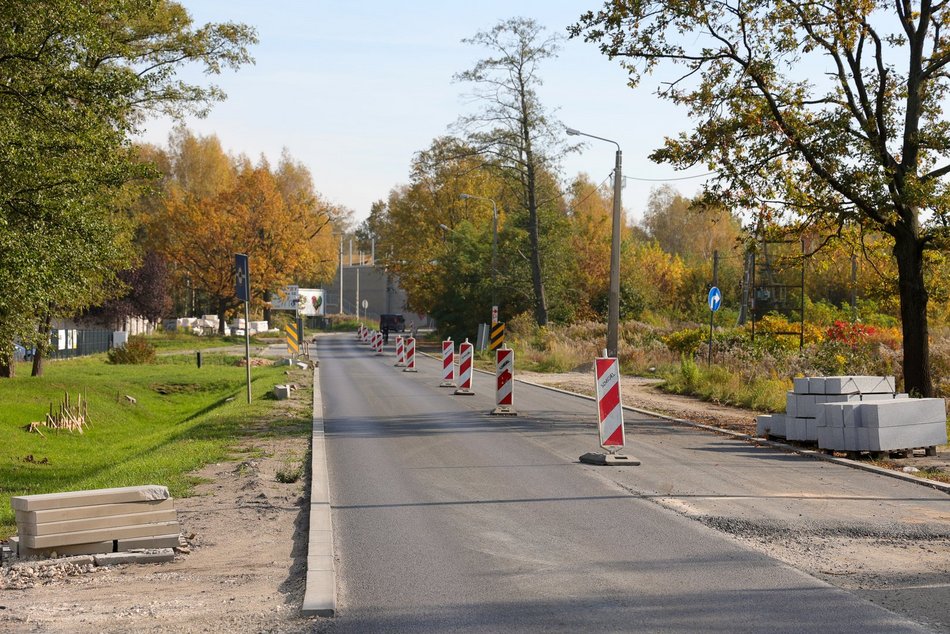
[[448, 519]]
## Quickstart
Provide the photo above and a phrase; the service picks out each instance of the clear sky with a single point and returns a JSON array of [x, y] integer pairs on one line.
[[354, 89]]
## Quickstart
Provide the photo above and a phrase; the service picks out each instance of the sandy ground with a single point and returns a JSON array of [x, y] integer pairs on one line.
[[243, 569]]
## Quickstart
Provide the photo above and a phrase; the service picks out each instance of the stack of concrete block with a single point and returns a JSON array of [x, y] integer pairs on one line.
[[803, 404], [882, 426], [95, 522]]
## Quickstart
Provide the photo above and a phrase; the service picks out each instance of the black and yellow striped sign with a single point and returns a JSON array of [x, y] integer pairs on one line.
[[293, 338], [497, 336]]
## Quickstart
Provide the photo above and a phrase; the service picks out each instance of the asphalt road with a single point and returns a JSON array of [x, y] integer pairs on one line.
[[447, 519]]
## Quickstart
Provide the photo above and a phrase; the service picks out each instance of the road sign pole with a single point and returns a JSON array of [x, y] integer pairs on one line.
[[712, 306], [242, 279], [247, 348]]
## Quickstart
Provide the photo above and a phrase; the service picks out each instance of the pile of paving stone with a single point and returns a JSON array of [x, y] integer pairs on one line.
[[857, 414]]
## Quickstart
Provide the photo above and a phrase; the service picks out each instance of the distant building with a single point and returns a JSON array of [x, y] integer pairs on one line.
[[380, 290]]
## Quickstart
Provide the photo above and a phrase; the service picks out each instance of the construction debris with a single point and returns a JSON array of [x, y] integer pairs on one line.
[[69, 417]]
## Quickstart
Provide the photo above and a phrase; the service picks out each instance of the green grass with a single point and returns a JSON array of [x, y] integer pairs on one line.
[[719, 385], [182, 419]]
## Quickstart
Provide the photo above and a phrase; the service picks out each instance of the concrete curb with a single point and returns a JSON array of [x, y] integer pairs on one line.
[[810, 453], [320, 595]]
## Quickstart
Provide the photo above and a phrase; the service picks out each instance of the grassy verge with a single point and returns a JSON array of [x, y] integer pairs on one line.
[[186, 341], [719, 385], [182, 418]]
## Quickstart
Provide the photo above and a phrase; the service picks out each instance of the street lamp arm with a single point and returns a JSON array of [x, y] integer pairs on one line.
[[573, 132]]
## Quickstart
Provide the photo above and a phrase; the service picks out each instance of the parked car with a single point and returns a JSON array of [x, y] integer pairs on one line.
[[392, 323]]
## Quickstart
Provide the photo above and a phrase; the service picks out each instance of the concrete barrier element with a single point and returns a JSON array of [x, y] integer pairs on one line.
[[281, 392], [96, 510], [162, 541], [155, 557], [858, 384], [791, 404], [770, 424], [93, 523], [24, 552], [46, 501], [906, 436], [903, 412], [87, 537]]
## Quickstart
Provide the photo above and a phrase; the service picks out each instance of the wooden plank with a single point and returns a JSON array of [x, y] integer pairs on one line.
[[97, 510], [82, 537], [92, 523], [46, 501]]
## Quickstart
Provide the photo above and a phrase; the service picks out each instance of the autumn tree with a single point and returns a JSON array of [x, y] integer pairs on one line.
[[75, 80], [513, 128], [823, 110], [411, 242], [275, 217], [590, 208]]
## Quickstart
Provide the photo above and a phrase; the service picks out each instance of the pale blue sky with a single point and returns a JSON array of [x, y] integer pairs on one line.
[[354, 89]]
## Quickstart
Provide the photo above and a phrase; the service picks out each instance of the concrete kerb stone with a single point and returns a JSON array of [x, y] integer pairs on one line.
[[809, 453], [157, 556], [320, 594]]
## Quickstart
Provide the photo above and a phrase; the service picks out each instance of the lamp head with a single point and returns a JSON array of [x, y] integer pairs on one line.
[[444, 227], [465, 196], [572, 132]]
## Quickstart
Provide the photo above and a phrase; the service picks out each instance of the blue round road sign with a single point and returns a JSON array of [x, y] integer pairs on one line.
[[715, 299]]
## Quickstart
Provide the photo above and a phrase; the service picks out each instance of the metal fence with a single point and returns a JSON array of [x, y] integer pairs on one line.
[[66, 344]]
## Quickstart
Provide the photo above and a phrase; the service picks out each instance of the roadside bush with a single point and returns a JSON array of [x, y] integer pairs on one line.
[[686, 342], [137, 350]]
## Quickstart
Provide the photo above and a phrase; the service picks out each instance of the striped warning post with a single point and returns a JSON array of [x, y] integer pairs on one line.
[[359, 332], [410, 355], [378, 342], [365, 336], [610, 412], [504, 382], [448, 363], [293, 338], [466, 351], [400, 352]]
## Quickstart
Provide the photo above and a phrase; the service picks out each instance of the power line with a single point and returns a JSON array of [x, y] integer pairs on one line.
[[665, 180]]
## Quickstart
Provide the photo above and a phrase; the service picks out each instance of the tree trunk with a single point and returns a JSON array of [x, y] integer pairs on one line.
[[222, 308], [267, 297], [534, 233], [908, 252], [7, 366], [42, 346]]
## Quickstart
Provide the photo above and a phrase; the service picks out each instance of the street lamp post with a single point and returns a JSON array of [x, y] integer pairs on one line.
[[494, 248], [613, 298]]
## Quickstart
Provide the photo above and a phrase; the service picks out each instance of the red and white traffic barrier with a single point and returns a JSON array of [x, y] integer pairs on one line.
[[609, 409], [400, 352], [378, 342], [504, 382], [359, 332], [410, 355], [466, 352], [366, 335], [448, 363]]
